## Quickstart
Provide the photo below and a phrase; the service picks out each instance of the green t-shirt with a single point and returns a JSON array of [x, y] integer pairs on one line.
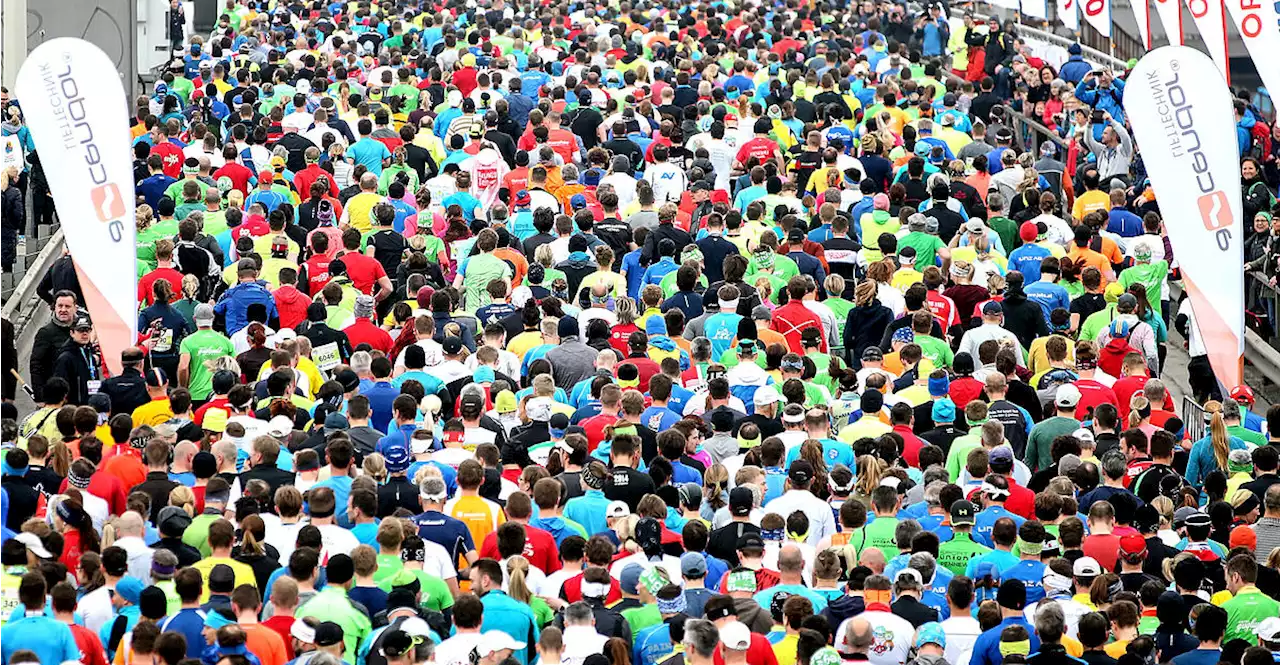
[[1150, 275], [197, 533], [874, 225], [642, 617], [477, 272], [1248, 435], [1007, 229], [388, 566], [880, 534], [822, 362], [959, 453], [1246, 610], [840, 307], [174, 191], [926, 247], [1042, 435], [215, 222], [404, 90], [1092, 326], [954, 555], [935, 350], [668, 283], [204, 346]]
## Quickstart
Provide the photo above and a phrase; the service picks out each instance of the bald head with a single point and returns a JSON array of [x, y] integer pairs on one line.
[[872, 558], [857, 637], [129, 524]]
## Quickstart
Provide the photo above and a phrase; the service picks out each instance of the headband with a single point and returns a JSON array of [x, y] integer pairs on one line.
[[302, 632], [1021, 647], [418, 554], [594, 590], [747, 444], [676, 605], [993, 491], [882, 596], [215, 620], [1244, 508], [1029, 547], [718, 613], [77, 481], [1055, 583], [772, 535], [158, 568]]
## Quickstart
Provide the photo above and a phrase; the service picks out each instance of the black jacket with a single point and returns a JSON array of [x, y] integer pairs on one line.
[[911, 609], [273, 476], [398, 492], [670, 232], [128, 391], [1022, 317], [187, 555], [50, 339], [61, 275], [863, 329], [157, 486], [23, 502], [78, 365]]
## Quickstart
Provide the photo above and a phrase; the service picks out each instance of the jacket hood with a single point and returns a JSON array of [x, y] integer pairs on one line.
[[1015, 296]]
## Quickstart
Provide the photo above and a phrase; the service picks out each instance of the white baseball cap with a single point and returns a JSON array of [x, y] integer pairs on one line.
[[32, 541], [496, 640], [766, 395], [736, 636], [1086, 566], [1068, 396], [617, 509]]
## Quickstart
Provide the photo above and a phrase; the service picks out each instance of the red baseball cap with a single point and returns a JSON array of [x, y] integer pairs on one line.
[[1242, 393], [266, 176], [1132, 544], [1028, 231], [1243, 536]]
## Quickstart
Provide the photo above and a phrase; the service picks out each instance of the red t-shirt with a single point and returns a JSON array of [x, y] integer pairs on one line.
[[1104, 548], [1021, 501], [943, 309], [91, 651], [1092, 395], [539, 548], [173, 277], [172, 156], [791, 319], [240, 175], [282, 625], [646, 367], [303, 180], [571, 590], [363, 330], [364, 271], [759, 653], [216, 403], [762, 149], [595, 426], [1126, 387], [911, 445]]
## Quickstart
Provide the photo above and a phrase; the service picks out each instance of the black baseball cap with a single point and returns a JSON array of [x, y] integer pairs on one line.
[[741, 501], [801, 472], [962, 513]]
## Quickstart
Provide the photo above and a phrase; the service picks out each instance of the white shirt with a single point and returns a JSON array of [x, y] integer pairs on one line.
[[448, 371], [975, 337], [98, 508], [284, 537], [891, 637], [552, 584], [140, 557], [668, 180], [535, 579], [580, 642], [452, 456], [439, 562], [433, 352], [240, 338], [961, 631], [670, 563], [1072, 610], [96, 609], [591, 314], [336, 540], [822, 523], [457, 649]]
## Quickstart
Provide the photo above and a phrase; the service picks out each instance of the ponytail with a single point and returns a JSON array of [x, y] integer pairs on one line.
[[517, 587], [1219, 438]]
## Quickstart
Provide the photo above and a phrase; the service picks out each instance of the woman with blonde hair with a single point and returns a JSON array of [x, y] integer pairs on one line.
[[626, 311], [375, 467], [517, 586], [871, 470], [1210, 453], [1140, 415], [715, 490], [183, 497], [881, 272]]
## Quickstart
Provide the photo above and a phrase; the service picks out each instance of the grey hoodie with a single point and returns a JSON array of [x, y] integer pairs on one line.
[[755, 617]]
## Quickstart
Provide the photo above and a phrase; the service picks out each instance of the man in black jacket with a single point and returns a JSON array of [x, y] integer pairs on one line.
[[51, 337], [263, 467], [23, 498], [79, 362], [128, 389], [157, 484], [322, 336]]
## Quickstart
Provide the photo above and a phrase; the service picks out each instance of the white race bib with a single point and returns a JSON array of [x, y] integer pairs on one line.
[[326, 356]]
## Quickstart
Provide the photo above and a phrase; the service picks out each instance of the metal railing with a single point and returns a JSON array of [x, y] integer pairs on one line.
[[1192, 419], [1095, 48]]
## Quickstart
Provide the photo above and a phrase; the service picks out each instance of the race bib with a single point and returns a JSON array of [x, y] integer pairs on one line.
[[326, 356], [163, 341], [94, 386]]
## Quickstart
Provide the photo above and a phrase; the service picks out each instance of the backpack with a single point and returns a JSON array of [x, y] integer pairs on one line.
[[1260, 140], [1111, 356]]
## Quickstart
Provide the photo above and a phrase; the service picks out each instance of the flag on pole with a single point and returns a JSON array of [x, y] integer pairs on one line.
[[1142, 13], [1184, 122], [1211, 21], [1098, 14], [1170, 13], [76, 109], [1069, 13], [1259, 26]]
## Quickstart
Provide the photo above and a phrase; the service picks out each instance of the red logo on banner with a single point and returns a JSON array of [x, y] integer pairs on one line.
[[107, 202], [1215, 210]]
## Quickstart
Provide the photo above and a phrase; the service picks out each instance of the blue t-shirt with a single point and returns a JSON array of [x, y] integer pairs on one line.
[[1026, 260], [341, 486], [986, 519], [1001, 559], [381, 395], [986, 650], [834, 452], [369, 152], [1031, 574], [366, 533], [445, 531], [1049, 296], [721, 329], [373, 598], [659, 418], [1199, 657]]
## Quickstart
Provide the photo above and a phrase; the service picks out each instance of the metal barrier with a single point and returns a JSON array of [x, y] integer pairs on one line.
[[1192, 419], [1089, 47]]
